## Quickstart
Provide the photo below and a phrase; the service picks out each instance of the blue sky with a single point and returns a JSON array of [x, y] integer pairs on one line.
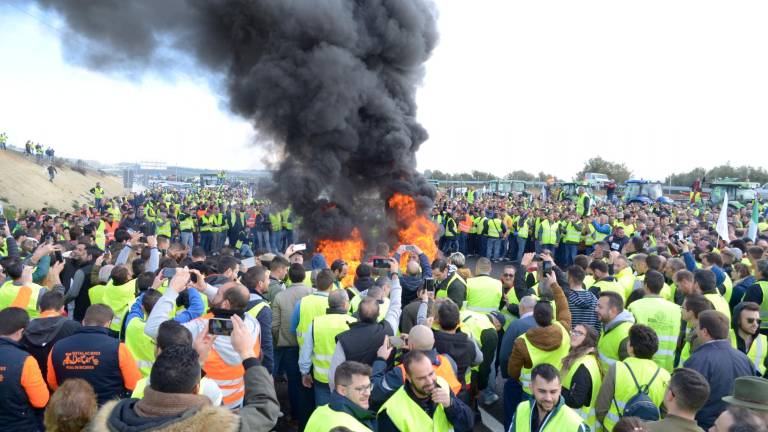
[[662, 86]]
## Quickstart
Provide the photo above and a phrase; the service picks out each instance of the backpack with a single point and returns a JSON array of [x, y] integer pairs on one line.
[[640, 405]]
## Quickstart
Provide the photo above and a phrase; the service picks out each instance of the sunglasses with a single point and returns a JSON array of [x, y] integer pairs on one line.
[[753, 320]]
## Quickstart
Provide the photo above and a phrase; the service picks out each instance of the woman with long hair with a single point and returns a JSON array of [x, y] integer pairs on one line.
[[581, 373]]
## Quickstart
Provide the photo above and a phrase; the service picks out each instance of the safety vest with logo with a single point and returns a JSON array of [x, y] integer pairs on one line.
[[408, 416], [325, 328], [444, 370], [564, 419], [549, 232], [539, 356], [664, 317], [24, 297], [119, 298], [323, 419], [626, 389], [612, 286], [758, 351], [764, 305], [572, 235], [609, 343], [720, 304], [141, 346], [587, 413], [443, 293], [483, 293], [310, 307]]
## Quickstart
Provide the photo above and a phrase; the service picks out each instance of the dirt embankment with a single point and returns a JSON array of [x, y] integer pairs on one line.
[[24, 184]]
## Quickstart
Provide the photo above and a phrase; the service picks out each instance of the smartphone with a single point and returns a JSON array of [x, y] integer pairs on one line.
[[220, 326], [299, 247], [380, 263], [67, 254], [410, 248], [58, 256], [248, 262], [429, 284], [169, 272], [193, 277], [396, 341], [546, 267], [679, 235]]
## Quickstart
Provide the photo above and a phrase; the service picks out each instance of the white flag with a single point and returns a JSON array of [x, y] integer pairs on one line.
[[722, 220]]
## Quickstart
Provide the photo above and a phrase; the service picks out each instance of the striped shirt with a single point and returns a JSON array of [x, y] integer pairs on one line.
[[583, 306]]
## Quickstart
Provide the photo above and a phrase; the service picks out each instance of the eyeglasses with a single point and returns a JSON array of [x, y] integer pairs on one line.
[[578, 332], [753, 320], [362, 389]]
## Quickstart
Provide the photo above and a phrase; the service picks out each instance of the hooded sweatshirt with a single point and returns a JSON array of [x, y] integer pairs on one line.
[[547, 338], [45, 331]]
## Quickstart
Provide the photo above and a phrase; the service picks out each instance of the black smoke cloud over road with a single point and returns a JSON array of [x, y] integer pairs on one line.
[[331, 83]]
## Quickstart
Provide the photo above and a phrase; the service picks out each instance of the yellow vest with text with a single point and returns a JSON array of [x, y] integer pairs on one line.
[[664, 317]]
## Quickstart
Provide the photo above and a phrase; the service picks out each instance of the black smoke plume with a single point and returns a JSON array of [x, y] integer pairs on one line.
[[331, 83]]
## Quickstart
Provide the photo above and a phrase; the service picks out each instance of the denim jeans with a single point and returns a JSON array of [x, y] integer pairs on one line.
[[274, 240], [262, 238], [463, 237], [520, 248], [571, 250], [206, 241], [188, 239], [302, 399], [493, 248]]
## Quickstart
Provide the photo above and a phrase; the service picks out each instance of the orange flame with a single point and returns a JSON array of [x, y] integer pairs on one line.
[[414, 229], [350, 250]]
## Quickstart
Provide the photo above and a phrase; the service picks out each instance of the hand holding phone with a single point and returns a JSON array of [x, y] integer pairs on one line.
[[220, 326]]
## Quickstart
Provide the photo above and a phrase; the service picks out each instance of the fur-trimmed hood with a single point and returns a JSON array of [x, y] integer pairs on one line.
[[119, 416]]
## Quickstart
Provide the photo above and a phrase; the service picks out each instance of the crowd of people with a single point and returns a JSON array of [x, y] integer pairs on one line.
[[181, 310]]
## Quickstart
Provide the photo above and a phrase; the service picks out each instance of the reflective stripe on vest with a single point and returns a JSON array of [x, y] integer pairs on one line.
[[587, 413], [549, 232], [539, 356], [626, 388], [407, 415], [443, 293], [483, 294], [141, 346], [664, 317], [325, 328], [608, 344]]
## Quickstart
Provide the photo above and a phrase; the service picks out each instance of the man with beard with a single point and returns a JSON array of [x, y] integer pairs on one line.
[[81, 261], [231, 298], [425, 402]]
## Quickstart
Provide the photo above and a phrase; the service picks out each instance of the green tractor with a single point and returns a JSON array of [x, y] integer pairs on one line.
[[739, 193]]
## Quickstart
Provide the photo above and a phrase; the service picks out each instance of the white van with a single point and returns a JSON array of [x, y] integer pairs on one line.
[[596, 180]]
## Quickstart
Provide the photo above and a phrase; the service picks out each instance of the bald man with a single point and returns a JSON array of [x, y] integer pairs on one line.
[[420, 338]]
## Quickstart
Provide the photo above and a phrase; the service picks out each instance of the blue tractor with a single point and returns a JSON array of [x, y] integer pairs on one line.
[[644, 192]]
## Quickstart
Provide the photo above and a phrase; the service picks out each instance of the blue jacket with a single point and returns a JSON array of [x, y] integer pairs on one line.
[[720, 364], [410, 283], [517, 328]]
